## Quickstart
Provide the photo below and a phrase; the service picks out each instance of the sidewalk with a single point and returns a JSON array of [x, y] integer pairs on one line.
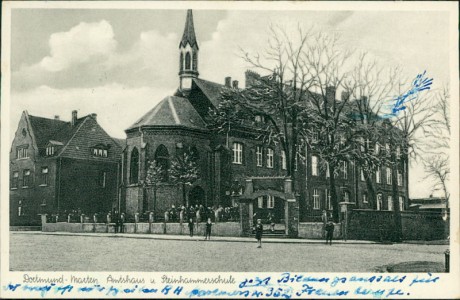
[[196, 238]]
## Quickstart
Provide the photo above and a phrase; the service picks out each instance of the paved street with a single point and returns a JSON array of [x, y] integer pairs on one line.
[[48, 252]]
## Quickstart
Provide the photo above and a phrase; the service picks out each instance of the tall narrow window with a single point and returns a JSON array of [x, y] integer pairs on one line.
[[195, 61], [237, 153], [345, 169], [260, 202], [377, 175], [162, 159], [314, 165], [316, 204], [328, 173], [26, 178], [283, 160], [327, 196], [44, 176], [362, 174], [50, 151], [388, 175], [181, 62], [398, 152], [379, 201], [400, 179], [20, 208], [259, 156], [390, 202], [361, 144], [134, 167], [15, 180], [377, 148], [187, 61], [365, 198], [269, 158], [270, 201], [401, 203]]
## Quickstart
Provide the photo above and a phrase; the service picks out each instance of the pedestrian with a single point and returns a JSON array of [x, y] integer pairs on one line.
[[259, 228], [324, 220], [271, 219], [329, 232], [208, 230], [122, 220], [190, 226]]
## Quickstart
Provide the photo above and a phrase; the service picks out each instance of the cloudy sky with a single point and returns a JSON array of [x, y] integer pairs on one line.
[[120, 63]]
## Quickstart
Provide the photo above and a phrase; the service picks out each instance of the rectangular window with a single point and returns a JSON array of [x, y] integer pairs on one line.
[[401, 203], [314, 165], [259, 156], [362, 175], [328, 173], [388, 176], [104, 153], [361, 144], [345, 170], [379, 202], [365, 198], [26, 178], [377, 175], [283, 160], [102, 179], [315, 199], [377, 149], [400, 179], [346, 196], [21, 152], [95, 152], [327, 196], [50, 151], [390, 203], [271, 202], [237, 153], [260, 202], [269, 158], [44, 176], [15, 180]]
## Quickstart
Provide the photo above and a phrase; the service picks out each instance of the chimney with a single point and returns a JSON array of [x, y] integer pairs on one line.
[[330, 94], [235, 84], [94, 116], [251, 78], [74, 118], [56, 117], [228, 81]]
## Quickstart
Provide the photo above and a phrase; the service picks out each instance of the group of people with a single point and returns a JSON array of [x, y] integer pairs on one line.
[[208, 224], [201, 213]]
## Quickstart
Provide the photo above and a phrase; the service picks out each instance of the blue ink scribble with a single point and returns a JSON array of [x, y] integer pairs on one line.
[[419, 84]]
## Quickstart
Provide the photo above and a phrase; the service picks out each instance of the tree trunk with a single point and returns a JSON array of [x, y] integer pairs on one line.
[[154, 201], [334, 200], [397, 236], [371, 190]]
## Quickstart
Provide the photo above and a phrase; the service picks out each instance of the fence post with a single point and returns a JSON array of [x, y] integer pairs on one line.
[[136, 220], [447, 260]]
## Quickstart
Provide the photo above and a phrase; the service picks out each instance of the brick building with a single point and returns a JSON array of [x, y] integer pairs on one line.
[[180, 122], [58, 166]]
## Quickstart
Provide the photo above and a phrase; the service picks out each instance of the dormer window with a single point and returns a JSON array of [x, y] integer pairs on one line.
[[50, 150], [99, 151], [259, 118]]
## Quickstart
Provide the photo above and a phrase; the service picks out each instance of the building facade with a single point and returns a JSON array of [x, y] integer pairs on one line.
[[228, 161], [57, 167]]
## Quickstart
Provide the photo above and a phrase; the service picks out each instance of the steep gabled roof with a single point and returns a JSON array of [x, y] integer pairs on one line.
[[172, 111], [210, 89], [46, 129], [189, 32]]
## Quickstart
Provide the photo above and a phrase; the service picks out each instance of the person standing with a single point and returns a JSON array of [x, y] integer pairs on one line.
[[208, 230], [122, 221], [259, 229], [329, 232], [190, 226], [324, 220]]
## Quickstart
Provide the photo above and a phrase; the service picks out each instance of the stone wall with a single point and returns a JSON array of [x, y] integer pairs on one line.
[[315, 230], [379, 225]]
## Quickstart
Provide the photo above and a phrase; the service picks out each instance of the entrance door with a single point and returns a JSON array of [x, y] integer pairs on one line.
[[197, 196]]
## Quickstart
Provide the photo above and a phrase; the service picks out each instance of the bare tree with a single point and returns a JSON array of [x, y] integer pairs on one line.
[[155, 174]]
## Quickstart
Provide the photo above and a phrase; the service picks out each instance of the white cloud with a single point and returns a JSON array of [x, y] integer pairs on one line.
[[79, 45]]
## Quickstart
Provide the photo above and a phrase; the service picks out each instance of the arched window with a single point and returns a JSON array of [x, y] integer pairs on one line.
[[187, 61], [162, 158], [134, 167], [181, 63], [195, 63]]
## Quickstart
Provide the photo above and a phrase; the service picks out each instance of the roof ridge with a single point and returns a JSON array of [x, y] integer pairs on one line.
[[73, 135]]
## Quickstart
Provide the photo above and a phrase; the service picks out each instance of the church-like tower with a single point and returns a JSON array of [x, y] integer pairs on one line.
[[188, 54]]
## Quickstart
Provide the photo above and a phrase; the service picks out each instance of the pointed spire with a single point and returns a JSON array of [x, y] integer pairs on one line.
[[189, 32]]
